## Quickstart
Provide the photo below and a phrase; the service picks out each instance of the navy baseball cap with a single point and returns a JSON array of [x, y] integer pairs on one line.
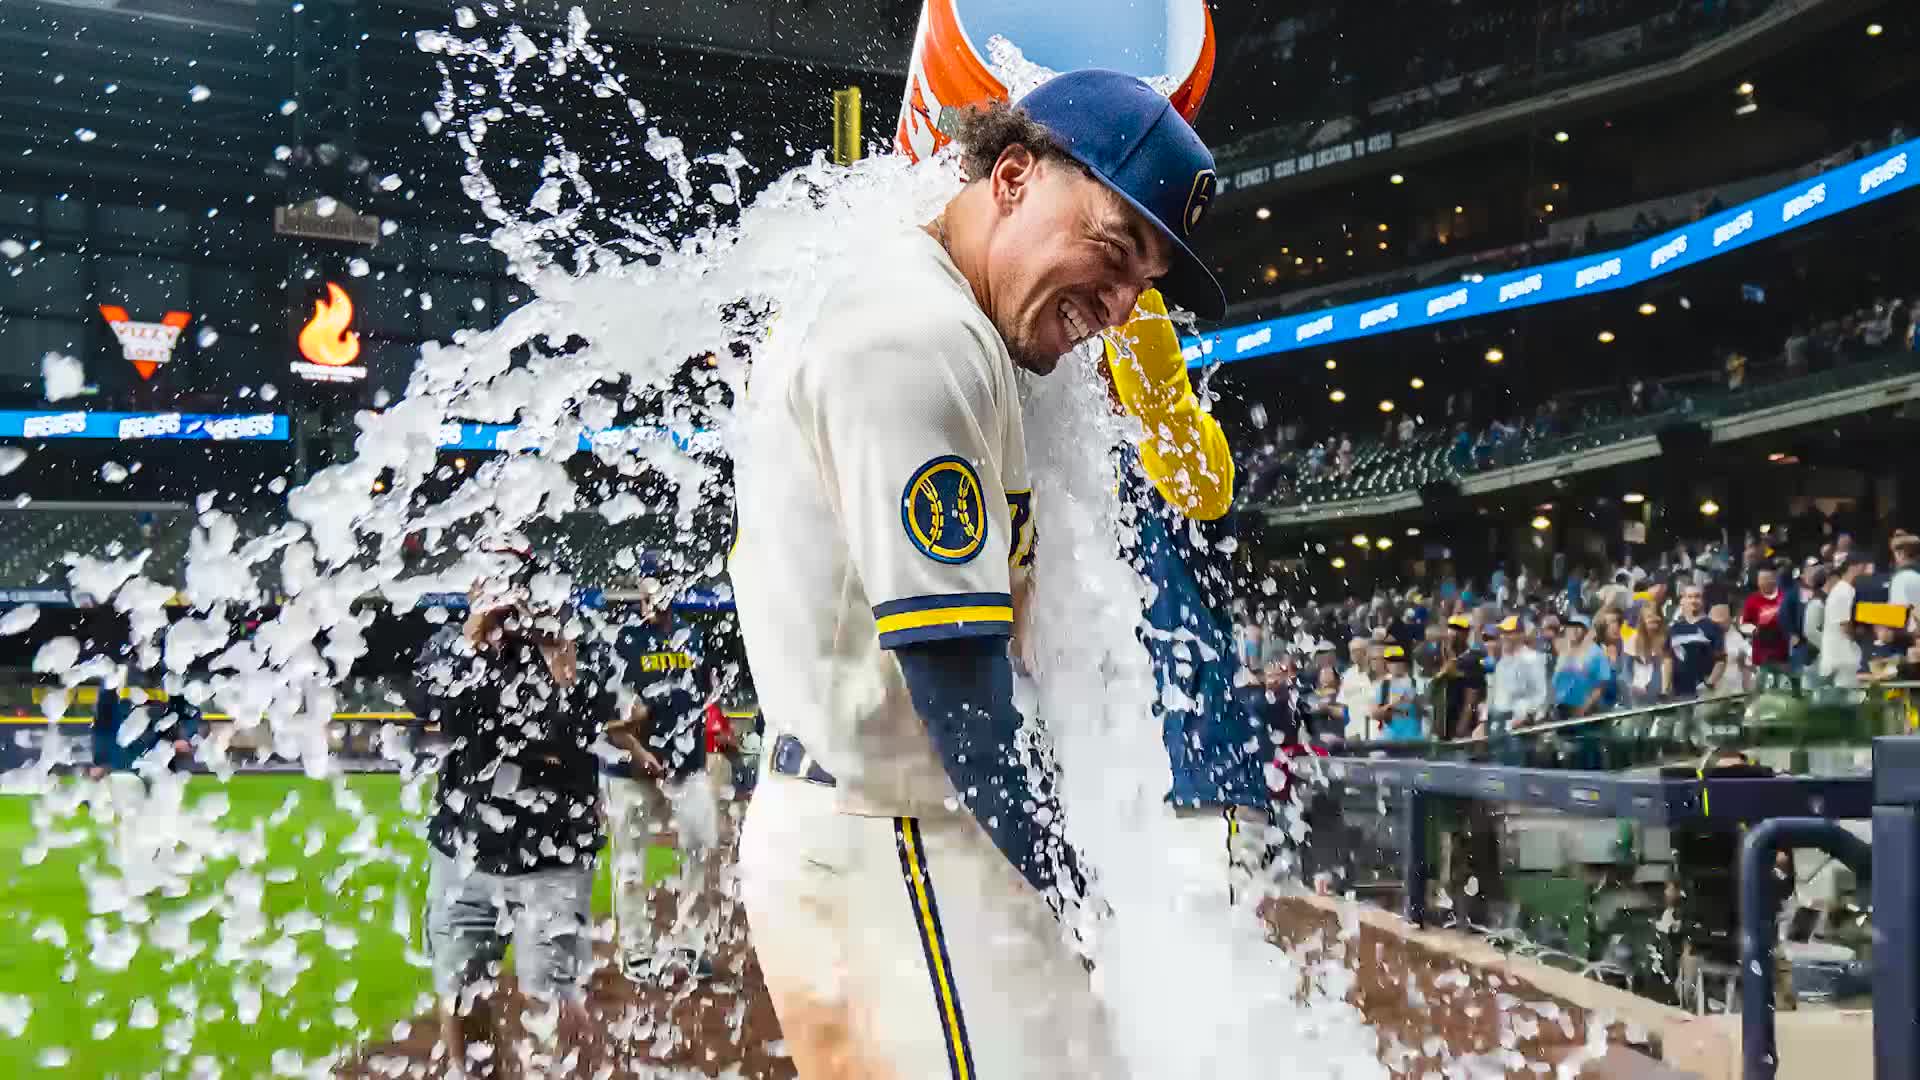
[[1136, 143]]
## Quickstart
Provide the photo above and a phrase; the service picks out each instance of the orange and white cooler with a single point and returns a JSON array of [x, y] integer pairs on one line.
[[1156, 40]]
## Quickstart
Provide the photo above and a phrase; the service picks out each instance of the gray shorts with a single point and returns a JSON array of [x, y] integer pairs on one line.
[[547, 914]]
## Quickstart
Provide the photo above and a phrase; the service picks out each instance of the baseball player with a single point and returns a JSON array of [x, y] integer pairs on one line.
[[901, 867], [662, 794], [1181, 487]]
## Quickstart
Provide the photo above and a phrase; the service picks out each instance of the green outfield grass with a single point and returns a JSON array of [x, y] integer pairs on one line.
[[348, 992]]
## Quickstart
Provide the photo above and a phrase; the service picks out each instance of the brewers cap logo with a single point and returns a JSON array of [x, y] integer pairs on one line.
[[1199, 199], [942, 511]]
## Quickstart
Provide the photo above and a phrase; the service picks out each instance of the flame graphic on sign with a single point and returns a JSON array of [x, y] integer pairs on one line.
[[325, 339]]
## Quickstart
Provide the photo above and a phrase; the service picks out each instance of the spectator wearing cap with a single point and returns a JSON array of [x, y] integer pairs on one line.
[[1839, 653], [1397, 715], [1518, 694], [1462, 678], [1581, 681]]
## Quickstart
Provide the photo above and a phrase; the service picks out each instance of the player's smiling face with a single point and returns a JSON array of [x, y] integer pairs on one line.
[[1071, 260]]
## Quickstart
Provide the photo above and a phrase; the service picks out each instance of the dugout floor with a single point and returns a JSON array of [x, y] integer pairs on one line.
[[679, 1028]]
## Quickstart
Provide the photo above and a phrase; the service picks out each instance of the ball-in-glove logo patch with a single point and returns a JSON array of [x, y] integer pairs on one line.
[[1199, 198], [943, 512]]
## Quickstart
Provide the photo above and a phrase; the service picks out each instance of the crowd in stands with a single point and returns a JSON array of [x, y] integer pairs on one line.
[[1286, 467], [1337, 70], [1459, 659]]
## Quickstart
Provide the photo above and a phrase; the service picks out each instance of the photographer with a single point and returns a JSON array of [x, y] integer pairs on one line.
[[516, 820]]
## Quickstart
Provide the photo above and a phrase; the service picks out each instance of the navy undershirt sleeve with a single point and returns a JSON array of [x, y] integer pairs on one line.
[[963, 689]]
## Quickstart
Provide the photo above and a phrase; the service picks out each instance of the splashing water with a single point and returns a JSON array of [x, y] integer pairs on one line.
[[618, 304]]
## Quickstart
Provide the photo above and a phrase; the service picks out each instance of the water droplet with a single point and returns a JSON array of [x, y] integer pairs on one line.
[[85, 134], [199, 94]]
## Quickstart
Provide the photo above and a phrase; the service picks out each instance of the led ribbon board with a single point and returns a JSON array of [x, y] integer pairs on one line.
[[127, 427], [467, 436], [1871, 178]]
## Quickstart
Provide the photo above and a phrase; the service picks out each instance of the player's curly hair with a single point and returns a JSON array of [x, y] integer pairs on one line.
[[984, 132]]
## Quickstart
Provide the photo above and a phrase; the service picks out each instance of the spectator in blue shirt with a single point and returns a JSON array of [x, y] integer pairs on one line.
[[1397, 713], [1581, 680]]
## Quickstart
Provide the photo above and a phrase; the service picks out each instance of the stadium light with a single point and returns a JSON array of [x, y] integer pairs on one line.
[[1777, 456], [1271, 273], [1299, 260], [1541, 524], [1648, 309], [1633, 498], [1332, 363], [1337, 396], [1745, 89], [1875, 29], [1709, 508], [1350, 253], [1458, 209], [1413, 530], [1748, 109], [1766, 528], [1561, 136], [1359, 539], [1494, 356], [1339, 563], [1263, 213], [459, 463], [1386, 405], [1396, 178], [1606, 337], [1383, 226], [1417, 383], [1383, 245], [1384, 543]]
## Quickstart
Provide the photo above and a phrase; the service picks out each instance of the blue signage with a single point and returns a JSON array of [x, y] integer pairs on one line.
[[463, 436], [127, 427], [1837, 191]]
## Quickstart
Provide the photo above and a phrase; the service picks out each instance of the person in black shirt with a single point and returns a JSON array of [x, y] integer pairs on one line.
[[516, 819], [660, 794], [1699, 646], [1273, 705], [1463, 673]]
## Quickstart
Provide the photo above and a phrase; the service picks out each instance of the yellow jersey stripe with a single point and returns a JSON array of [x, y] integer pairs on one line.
[[914, 620], [935, 949]]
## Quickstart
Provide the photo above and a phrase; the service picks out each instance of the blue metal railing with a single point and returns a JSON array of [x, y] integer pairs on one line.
[[1781, 813]]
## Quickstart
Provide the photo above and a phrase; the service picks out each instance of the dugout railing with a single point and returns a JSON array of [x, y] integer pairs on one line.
[[1764, 814]]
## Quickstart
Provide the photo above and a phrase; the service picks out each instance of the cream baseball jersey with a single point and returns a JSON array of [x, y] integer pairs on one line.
[[883, 501]]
